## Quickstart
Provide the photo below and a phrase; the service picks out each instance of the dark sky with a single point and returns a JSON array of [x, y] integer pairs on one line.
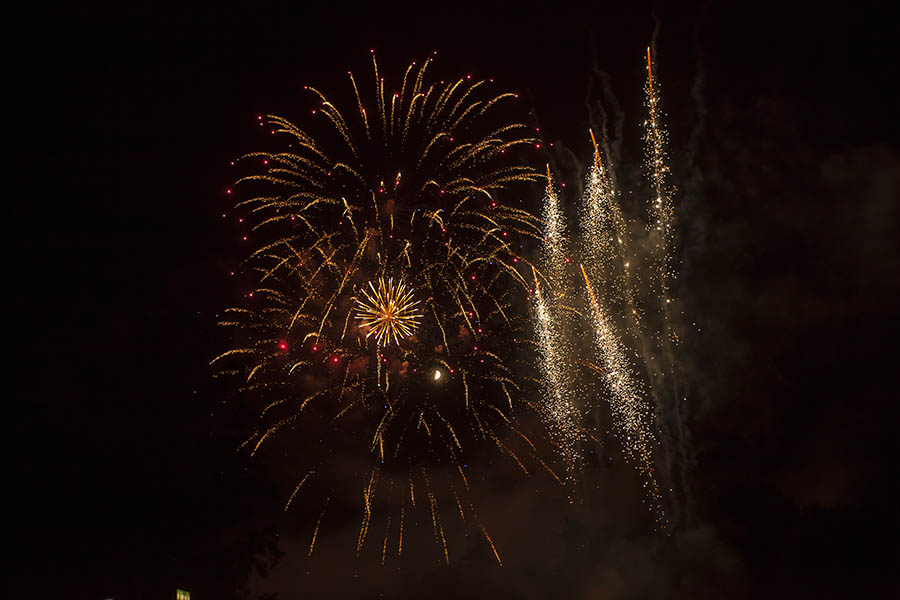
[[784, 140]]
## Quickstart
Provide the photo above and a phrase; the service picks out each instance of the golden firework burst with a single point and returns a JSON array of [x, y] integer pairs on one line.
[[388, 310]]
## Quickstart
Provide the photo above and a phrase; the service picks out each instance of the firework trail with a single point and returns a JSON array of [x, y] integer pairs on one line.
[[605, 234], [552, 311], [626, 399], [604, 244], [628, 313], [382, 283], [662, 210], [662, 241]]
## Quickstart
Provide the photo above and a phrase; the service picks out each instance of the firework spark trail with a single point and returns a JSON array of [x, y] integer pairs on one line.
[[605, 235], [662, 236], [297, 489], [606, 246], [559, 409], [626, 399], [312, 543], [396, 214], [662, 210], [607, 241], [629, 303]]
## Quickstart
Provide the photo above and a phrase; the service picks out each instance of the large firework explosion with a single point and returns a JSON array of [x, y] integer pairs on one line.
[[394, 314], [387, 309]]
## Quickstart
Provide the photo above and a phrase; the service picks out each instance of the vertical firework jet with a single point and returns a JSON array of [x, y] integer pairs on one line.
[[604, 239], [605, 235], [552, 309], [627, 304], [662, 211], [607, 246], [667, 390], [626, 394]]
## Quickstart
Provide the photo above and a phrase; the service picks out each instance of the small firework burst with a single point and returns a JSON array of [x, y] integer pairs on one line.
[[389, 311]]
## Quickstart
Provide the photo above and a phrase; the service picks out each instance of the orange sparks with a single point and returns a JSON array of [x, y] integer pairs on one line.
[[491, 542], [312, 544], [596, 150]]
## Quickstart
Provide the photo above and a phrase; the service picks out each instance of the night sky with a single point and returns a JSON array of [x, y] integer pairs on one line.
[[121, 459]]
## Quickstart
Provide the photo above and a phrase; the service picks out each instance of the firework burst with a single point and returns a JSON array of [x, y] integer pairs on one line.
[[385, 283], [389, 311]]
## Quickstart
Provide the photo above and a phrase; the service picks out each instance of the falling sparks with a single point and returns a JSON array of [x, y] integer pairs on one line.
[[662, 211], [312, 543], [628, 340], [626, 395], [297, 489], [558, 409], [605, 239], [665, 371]]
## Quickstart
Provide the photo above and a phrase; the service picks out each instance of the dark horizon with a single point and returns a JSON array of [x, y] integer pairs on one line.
[[126, 478]]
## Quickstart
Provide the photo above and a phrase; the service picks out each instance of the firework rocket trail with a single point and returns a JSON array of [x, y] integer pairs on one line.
[[626, 399], [662, 236], [605, 244], [605, 237], [559, 409], [662, 210], [626, 301]]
